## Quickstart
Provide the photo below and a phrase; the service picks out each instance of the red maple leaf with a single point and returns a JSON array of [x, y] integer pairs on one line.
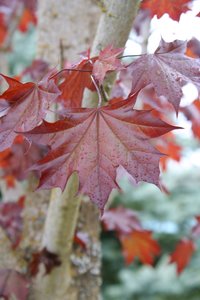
[[139, 244], [27, 17], [151, 101], [160, 7], [192, 112], [193, 48], [81, 239], [75, 82], [196, 228], [28, 104], [168, 69], [13, 285], [107, 61], [49, 259], [16, 160], [169, 146], [11, 219], [3, 29], [94, 142], [120, 219], [182, 254]]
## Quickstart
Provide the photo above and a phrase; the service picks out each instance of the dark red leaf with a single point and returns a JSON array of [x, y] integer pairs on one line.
[[168, 69], [16, 160], [36, 70], [82, 239], [94, 142], [28, 105], [3, 29], [75, 82], [107, 61], [196, 228], [48, 259], [120, 219], [13, 285], [192, 112], [151, 101], [11, 219]]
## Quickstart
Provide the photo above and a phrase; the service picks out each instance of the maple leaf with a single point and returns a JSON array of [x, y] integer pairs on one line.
[[11, 219], [16, 160], [120, 219], [169, 146], [196, 228], [13, 285], [27, 17], [28, 105], [168, 69], [192, 113], [49, 259], [139, 244], [173, 8], [3, 29], [75, 82], [36, 70], [193, 48], [182, 254], [107, 61], [81, 239], [94, 142], [151, 101]]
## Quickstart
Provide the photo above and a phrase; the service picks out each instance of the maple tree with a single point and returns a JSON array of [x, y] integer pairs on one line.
[[114, 139]]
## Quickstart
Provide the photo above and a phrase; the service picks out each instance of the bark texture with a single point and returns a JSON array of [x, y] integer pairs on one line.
[[115, 24], [58, 237], [70, 23], [86, 263]]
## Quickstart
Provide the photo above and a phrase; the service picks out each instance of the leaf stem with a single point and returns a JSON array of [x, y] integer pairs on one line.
[[131, 55], [98, 90], [70, 69]]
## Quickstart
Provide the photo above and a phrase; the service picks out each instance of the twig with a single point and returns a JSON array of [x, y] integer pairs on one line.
[[98, 90]]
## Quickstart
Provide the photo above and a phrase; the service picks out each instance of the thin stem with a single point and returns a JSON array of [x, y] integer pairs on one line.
[[98, 91], [62, 59], [104, 94], [131, 55], [135, 55], [71, 69]]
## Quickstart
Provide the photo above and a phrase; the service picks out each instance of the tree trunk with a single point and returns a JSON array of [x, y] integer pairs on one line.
[[82, 281]]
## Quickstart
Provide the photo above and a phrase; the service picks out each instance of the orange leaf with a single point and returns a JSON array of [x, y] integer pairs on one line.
[[168, 146], [27, 17], [139, 244], [10, 181], [172, 7], [182, 254]]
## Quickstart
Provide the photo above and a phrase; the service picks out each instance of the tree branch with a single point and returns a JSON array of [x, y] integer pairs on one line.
[[58, 238]]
